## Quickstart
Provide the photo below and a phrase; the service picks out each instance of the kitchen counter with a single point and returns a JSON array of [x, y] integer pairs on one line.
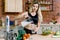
[[40, 37]]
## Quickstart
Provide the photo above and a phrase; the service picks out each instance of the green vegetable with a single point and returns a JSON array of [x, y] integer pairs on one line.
[[20, 34], [46, 32], [57, 33]]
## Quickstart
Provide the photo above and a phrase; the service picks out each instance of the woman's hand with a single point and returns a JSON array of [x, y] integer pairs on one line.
[[36, 29]]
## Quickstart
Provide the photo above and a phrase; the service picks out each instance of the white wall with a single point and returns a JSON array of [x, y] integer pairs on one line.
[[13, 5]]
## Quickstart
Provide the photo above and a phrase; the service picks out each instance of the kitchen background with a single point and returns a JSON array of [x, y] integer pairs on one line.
[[47, 16]]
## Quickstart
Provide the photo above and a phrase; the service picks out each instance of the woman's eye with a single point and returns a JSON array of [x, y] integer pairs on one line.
[[36, 6], [33, 6]]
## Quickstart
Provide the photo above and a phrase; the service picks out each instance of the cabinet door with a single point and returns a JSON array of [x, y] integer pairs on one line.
[[13, 5], [19, 6]]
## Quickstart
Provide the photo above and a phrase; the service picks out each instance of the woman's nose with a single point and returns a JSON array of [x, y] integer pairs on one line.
[[34, 7]]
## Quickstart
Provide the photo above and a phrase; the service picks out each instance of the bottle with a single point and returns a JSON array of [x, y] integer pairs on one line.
[[7, 23]]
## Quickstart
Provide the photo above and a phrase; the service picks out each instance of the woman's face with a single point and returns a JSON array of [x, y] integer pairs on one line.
[[35, 7]]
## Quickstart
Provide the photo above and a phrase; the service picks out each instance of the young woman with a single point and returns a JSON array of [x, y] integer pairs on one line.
[[35, 14]]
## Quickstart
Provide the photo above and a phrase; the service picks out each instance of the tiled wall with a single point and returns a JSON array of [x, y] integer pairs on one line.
[[47, 15]]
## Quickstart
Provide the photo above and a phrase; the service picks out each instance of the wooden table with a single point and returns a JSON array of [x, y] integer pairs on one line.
[[40, 37]]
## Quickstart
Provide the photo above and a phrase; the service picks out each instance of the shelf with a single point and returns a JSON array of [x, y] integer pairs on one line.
[[46, 4], [11, 13], [46, 10]]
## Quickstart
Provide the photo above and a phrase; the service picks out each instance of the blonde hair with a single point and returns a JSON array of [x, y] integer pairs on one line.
[[40, 15]]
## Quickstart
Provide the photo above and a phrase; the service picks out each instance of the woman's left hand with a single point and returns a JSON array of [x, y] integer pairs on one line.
[[35, 29]]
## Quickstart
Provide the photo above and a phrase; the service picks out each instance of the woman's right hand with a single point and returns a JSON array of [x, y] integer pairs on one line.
[[30, 26]]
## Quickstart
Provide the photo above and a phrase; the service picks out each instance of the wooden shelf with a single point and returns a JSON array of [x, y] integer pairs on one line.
[[46, 10], [46, 4], [11, 13], [43, 3]]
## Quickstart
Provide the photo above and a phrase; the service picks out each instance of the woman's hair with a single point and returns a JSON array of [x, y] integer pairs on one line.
[[38, 11], [30, 9]]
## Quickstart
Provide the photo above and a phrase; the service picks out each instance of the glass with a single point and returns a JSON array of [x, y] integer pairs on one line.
[[29, 19], [33, 32]]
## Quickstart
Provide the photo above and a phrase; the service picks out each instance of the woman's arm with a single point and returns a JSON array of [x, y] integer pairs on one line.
[[40, 19], [39, 22], [20, 16]]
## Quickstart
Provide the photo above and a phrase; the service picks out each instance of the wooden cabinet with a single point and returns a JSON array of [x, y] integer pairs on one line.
[[13, 6]]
